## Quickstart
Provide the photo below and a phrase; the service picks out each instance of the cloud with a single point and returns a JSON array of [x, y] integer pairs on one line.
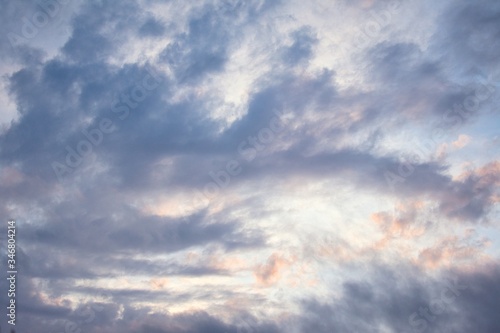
[[401, 303], [152, 28], [351, 195], [462, 141], [270, 272], [301, 49], [475, 28], [474, 194]]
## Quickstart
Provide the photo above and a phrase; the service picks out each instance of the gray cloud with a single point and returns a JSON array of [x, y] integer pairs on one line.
[[91, 224]]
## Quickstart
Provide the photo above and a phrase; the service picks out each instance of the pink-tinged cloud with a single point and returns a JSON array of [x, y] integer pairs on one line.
[[271, 272], [454, 251]]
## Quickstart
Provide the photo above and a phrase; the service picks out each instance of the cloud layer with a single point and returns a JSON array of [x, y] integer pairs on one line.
[[252, 166]]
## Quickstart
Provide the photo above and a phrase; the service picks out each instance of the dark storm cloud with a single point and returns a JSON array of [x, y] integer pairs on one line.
[[288, 94], [94, 37], [212, 33], [183, 132], [51, 108], [31, 303], [203, 49], [468, 35], [473, 197], [406, 301], [19, 31], [170, 130], [112, 313], [159, 235], [85, 237], [183, 323], [414, 86]]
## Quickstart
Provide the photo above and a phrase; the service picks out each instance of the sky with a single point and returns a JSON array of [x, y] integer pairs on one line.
[[258, 166]]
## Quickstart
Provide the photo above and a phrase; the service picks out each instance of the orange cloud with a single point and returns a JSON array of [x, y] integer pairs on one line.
[[402, 223], [158, 283], [462, 141], [269, 273], [489, 174], [452, 250]]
